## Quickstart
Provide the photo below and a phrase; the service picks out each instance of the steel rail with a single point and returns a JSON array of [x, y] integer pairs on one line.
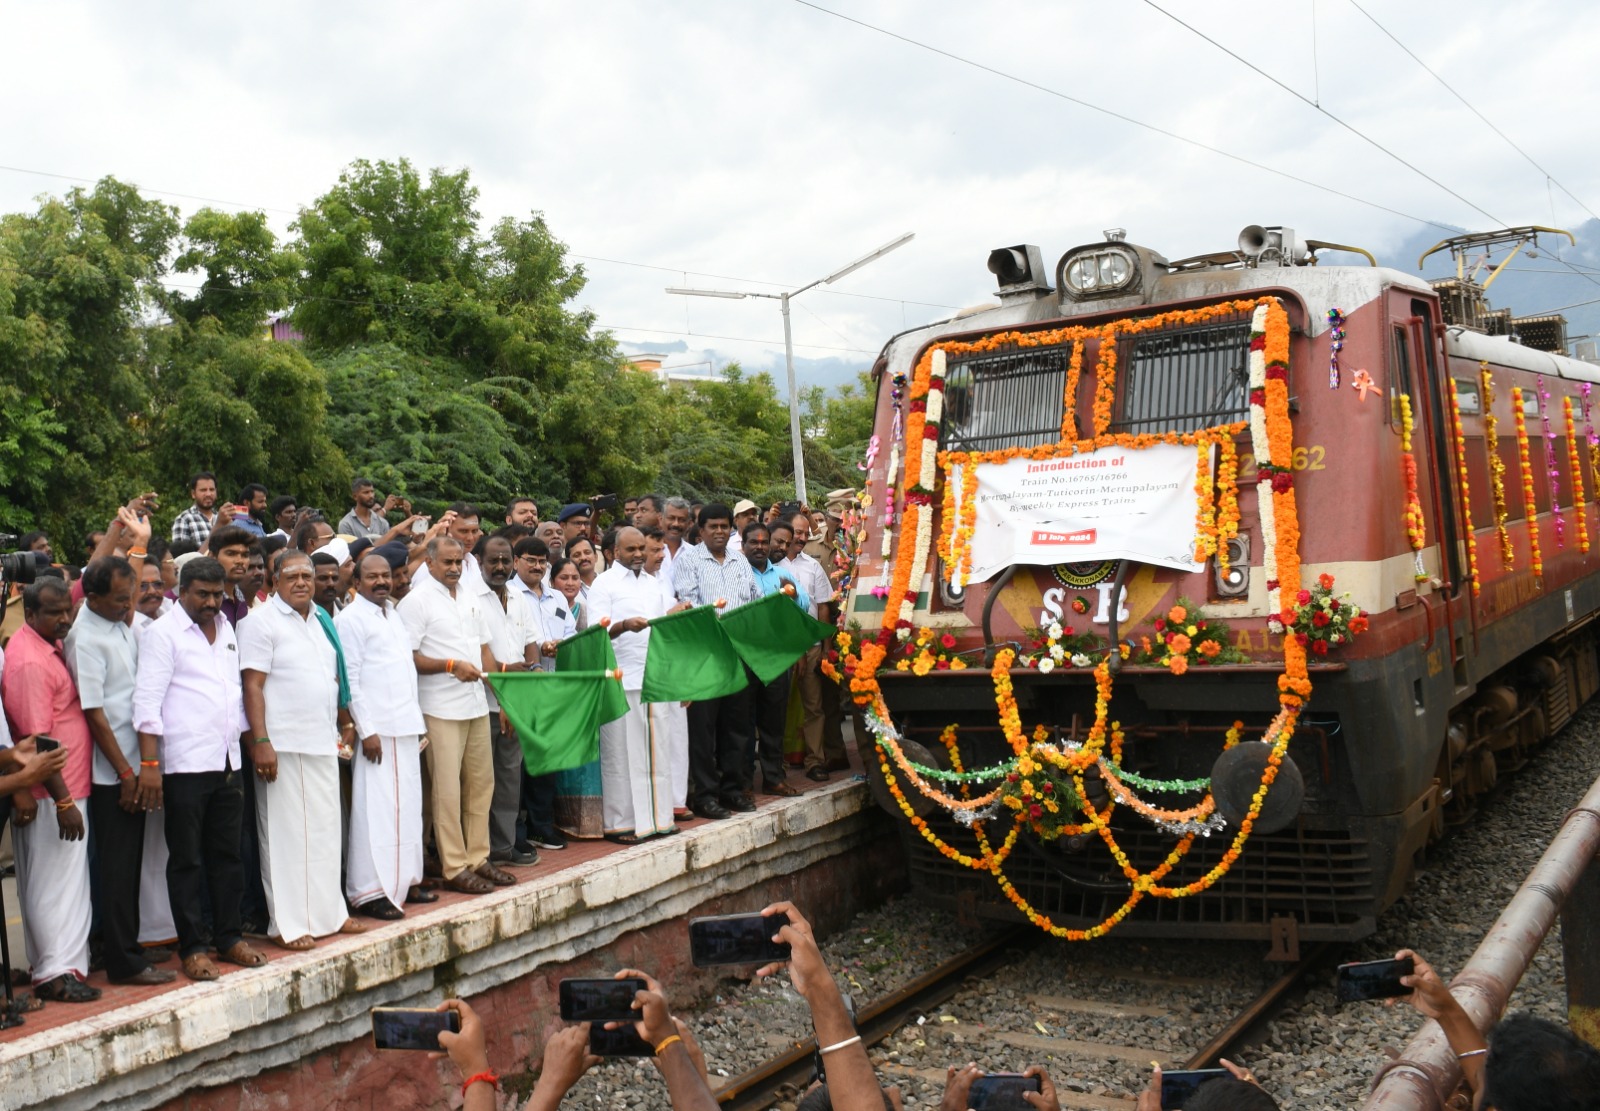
[[1232, 1034], [754, 1089], [1427, 1073]]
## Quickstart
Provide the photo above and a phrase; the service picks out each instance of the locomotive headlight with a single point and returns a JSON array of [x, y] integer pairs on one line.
[[1098, 272]]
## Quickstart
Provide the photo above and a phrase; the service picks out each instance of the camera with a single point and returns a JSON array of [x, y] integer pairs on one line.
[[20, 567]]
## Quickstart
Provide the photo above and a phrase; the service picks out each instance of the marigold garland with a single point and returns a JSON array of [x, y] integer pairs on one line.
[[1228, 503], [1552, 460], [1272, 437], [1497, 466], [1205, 493], [1416, 527], [1576, 463], [1530, 506], [1069, 398], [1466, 493]]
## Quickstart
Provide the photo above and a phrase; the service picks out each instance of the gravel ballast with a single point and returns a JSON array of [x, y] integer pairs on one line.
[[1155, 999]]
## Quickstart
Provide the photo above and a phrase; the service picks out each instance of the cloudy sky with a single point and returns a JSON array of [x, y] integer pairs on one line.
[[730, 143]]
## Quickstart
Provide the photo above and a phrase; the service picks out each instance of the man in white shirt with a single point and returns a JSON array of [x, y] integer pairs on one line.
[[514, 643], [450, 650], [130, 845], [554, 624], [636, 792], [672, 718], [188, 710], [385, 860], [291, 702], [821, 758]]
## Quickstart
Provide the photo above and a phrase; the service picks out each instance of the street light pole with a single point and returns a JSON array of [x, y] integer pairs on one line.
[[795, 439]]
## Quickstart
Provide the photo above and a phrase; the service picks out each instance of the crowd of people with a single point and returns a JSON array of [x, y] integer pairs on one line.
[[270, 725]]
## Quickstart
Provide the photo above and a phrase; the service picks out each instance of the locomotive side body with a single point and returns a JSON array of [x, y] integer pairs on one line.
[[1406, 725]]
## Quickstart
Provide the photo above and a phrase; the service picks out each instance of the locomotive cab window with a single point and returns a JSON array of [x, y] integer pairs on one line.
[[1467, 398], [1184, 380], [1006, 399]]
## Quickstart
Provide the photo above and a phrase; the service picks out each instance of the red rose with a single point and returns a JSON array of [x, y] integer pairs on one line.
[[1303, 597], [1035, 811], [948, 641], [930, 432], [1320, 648], [1301, 639], [1333, 605], [1258, 396], [1048, 788], [1319, 619], [1160, 624], [1013, 778], [1258, 342], [942, 665], [1282, 481]]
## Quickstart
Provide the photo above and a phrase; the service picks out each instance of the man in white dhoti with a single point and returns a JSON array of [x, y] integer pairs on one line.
[[291, 701], [384, 869], [103, 655], [635, 788], [51, 844], [672, 718]]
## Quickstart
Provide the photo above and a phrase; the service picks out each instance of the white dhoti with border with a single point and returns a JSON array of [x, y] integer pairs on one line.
[[385, 823], [53, 887], [297, 818], [155, 909], [635, 787]]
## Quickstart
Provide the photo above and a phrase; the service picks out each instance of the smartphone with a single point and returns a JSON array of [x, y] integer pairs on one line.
[[420, 525], [42, 743], [1179, 1085], [599, 1000], [736, 939], [621, 1042], [1363, 980], [1001, 1091], [603, 501], [412, 1027]]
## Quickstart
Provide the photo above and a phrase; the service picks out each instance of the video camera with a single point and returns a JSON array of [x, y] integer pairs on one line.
[[19, 567]]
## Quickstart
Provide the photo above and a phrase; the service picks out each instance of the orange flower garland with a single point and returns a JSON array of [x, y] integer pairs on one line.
[[1069, 400], [1228, 504], [1205, 493], [1497, 466], [1466, 493], [1273, 441], [1576, 464], [1416, 528], [1530, 506]]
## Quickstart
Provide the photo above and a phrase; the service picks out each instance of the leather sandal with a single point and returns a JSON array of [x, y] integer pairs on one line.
[[420, 894], [497, 876], [783, 790], [381, 908], [470, 883], [198, 966], [66, 988], [244, 954]]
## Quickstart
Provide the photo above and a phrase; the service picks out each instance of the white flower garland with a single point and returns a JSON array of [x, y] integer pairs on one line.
[[1262, 447]]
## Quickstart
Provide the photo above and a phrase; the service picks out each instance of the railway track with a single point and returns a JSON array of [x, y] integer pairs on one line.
[[788, 1072]]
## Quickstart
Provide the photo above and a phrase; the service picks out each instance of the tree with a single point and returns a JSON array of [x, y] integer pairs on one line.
[[838, 427], [74, 278], [247, 276]]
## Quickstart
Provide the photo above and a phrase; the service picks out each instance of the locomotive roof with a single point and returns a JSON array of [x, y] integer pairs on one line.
[[1320, 287], [1501, 351]]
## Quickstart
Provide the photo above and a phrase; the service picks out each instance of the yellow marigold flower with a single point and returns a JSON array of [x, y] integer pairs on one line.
[[1191, 630], [903, 665]]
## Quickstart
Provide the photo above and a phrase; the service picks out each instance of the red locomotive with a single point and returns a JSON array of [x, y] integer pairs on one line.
[[1061, 425]]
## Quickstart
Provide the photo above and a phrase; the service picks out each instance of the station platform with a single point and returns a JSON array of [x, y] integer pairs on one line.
[[296, 1033]]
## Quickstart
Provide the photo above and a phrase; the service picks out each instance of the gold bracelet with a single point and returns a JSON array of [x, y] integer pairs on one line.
[[65, 805], [666, 1042]]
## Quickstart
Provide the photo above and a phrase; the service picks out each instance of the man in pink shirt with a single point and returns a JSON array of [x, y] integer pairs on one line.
[[51, 846]]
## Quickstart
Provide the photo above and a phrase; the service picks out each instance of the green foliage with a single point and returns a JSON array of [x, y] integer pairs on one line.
[[246, 275], [837, 427]]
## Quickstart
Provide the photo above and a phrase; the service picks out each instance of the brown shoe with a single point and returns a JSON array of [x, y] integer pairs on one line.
[[783, 790], [243, 953], [146, 976], [198, 966], [469, 883], [497, 876]]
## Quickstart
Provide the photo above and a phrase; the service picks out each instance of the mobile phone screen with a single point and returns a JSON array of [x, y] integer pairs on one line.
[[1001, 1091], [41, 743], [1372, 980], [622, 1042], [1177, 1086], [599, 1000], [736, 939], [411, 1028]]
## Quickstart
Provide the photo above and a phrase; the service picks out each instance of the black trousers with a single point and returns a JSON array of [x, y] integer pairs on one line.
[[203, 812], [119, 856], [769, 712], [253, 901], [719, 747]]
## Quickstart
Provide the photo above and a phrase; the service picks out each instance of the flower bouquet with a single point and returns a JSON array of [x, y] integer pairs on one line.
[[1320, 621]]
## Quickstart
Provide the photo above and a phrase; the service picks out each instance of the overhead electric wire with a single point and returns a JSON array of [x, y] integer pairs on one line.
[[1058, 94], [1469, 106]]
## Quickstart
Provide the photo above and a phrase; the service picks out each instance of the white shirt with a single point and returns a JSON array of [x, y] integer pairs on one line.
[[471, 573], [302, 669], [543, 606], [668, 558], [619, 594], [382, 674], [559, 619], [810, 575], [447, 628], [187, 692], [103, 657], [512, 627]]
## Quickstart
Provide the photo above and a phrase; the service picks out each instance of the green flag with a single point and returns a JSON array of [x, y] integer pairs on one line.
[[771, 633], [690, 659], [556, 715], [591, 650]]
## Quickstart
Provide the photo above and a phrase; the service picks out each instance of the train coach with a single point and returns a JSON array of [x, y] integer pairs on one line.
[[1153, 554]]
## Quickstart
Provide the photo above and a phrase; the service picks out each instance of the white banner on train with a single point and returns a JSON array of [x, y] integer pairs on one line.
[[1111, 503]]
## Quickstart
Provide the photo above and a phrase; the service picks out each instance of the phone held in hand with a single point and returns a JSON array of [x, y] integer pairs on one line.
[[736, 939], [414, 1028], [599, 1000], [1177, 1086], [1002, 1091], [621, 1042], [1363, 980], [42, 743]]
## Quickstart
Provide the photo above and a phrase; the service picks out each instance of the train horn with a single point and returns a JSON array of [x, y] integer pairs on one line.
[[1253, 240]]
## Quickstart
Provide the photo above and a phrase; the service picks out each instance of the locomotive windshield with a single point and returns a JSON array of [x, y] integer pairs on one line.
[[1185, 380], [1012, 398]]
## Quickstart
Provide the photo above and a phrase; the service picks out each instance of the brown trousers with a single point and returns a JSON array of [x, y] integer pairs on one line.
[[460, 762]]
